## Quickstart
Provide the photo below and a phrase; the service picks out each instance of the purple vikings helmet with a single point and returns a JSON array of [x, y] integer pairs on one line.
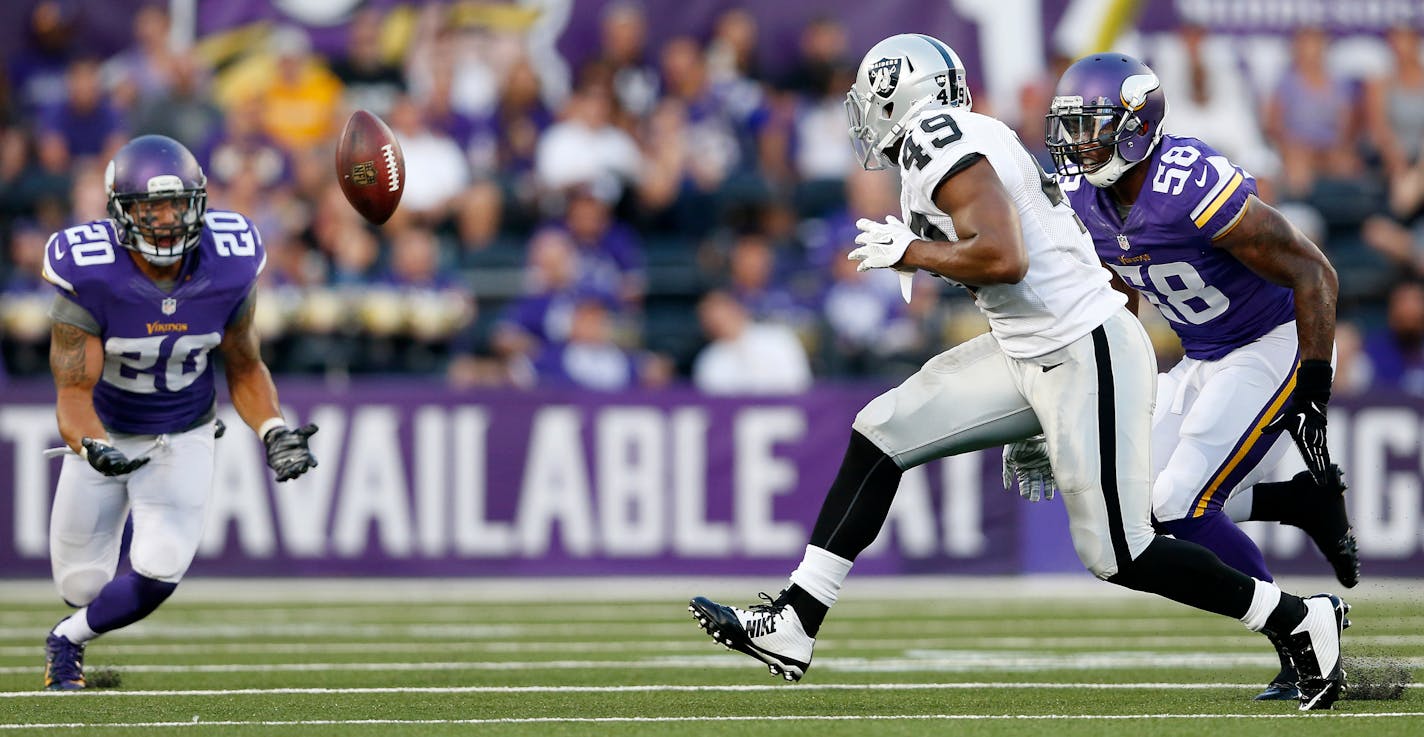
[[1106, 117], [152, 169]]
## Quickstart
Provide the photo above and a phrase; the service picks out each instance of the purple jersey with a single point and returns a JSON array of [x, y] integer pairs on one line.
[[157, 378], [1164, 249]]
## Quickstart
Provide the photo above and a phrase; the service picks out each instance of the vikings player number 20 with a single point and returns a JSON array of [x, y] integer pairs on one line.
[[232, 236], [88, 245], [134, 364]]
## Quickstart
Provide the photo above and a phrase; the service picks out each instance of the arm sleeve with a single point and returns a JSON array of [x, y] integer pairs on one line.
[[241, 308], [66, 310]]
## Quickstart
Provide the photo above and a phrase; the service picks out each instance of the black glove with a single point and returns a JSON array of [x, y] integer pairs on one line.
[[287, 451], [108, 460], [1304, 418]]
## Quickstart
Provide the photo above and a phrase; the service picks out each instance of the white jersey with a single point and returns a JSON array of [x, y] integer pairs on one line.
[[1066, 293]]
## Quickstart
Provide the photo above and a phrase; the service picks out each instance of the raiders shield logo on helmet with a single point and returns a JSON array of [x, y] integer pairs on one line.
[[884, 76]]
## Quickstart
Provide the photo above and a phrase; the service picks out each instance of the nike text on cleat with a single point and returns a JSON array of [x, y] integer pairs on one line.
[[1314, 648], [771, 633], [64, 664]]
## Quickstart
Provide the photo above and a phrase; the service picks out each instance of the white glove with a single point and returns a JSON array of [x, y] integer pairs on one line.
[[1027, 460], [882, 245]]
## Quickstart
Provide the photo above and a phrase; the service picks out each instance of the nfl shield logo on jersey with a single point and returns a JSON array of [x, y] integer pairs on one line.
[[170, 306], [1122, 242], [885, 76]]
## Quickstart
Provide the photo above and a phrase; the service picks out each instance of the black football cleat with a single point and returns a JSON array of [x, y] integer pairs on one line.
[[1282, 687], [1314, 648], [1324, 517]]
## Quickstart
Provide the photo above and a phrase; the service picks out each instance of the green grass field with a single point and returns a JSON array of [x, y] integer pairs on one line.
[[623, 657]]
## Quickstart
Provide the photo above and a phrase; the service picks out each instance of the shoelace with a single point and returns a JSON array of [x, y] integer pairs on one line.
[[770, 607]]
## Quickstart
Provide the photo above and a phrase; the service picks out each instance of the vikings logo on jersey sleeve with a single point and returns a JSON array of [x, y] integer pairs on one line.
[[1165, 248], [157, 338]]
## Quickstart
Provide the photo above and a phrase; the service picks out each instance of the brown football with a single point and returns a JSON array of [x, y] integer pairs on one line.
[[370, 167]]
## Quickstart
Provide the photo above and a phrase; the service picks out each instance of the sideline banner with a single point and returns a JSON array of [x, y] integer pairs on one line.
[[418, 481]]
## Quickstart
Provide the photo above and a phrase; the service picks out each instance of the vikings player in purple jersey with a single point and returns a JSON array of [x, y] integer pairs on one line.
[[1251, 298], [143, 298]]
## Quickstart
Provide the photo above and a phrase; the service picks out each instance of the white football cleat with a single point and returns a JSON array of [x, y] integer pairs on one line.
[[771, 633], [1314, 648]]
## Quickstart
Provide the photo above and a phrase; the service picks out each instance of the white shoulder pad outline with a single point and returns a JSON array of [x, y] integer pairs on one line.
[[1228, 180], [48, 272], [261, 247]]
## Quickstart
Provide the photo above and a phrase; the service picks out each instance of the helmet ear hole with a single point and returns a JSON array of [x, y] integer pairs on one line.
[[887, 111]]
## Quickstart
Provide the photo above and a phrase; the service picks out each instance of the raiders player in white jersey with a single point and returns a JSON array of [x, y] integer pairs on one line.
[[1063, 358]]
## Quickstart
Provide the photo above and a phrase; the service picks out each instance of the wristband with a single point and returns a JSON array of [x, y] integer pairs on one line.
[[1313, 380], [83, 451], [269, 425]]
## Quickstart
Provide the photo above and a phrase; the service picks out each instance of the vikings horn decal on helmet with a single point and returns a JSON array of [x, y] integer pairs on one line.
[[898, 78], [1106, 117], [157, 196]]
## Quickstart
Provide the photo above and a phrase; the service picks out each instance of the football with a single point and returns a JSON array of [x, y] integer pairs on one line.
[[370, 167]]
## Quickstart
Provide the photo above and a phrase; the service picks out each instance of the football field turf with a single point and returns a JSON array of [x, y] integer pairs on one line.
[[929, 656]]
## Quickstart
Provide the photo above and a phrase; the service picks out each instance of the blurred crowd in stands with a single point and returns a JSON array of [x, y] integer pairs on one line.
[[676, 216]]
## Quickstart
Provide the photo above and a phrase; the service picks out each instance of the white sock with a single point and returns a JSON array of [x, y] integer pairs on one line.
[[821, 574], [1263, 602], [75, 627]]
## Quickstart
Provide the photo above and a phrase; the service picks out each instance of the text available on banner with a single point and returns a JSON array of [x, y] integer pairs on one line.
[[417, 481]]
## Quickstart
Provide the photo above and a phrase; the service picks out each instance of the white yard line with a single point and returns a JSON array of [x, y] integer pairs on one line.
[[164, 628], [952, 591], [938, 662], [789, 689], [715, 719], [118, 646], [913, 661]]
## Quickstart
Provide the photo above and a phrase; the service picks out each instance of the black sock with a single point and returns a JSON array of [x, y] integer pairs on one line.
[[851, 516], [1286, 616], [811, 611], [1281, 501], [1190, 574], [858, 501]]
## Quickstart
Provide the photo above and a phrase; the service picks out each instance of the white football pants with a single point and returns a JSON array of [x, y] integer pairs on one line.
[[1207, 443], [1092, 400], [169, 498]]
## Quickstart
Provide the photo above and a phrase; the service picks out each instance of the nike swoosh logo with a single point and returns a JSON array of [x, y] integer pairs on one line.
[[1202, 179], [1046, 369]]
